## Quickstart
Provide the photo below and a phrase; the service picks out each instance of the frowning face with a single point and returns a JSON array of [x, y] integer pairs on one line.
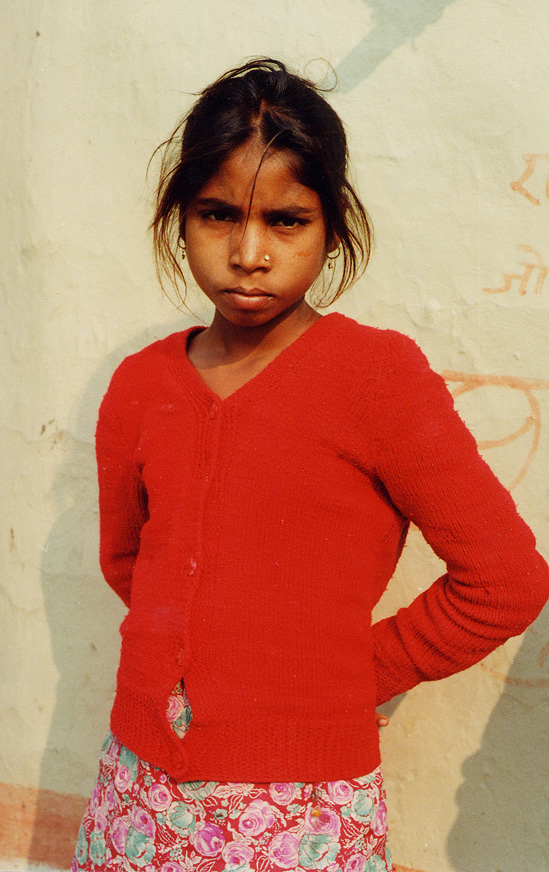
[[255, 241]]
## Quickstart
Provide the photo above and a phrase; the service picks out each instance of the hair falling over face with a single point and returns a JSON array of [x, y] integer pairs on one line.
[[284, 112]]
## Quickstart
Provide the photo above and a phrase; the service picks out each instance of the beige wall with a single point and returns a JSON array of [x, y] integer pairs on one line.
[[446, 106]]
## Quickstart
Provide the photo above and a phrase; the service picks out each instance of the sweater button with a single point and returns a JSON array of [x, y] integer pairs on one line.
[[190, 566], [214, 410], [180, 656]]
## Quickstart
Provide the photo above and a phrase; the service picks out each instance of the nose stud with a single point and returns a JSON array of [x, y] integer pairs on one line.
[[266, 257]]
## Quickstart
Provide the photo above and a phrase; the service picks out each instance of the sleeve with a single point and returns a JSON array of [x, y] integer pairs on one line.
[[122, 496], [496, 583]]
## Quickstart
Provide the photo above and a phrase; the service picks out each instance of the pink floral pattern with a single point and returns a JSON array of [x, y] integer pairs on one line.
[[139, 818]]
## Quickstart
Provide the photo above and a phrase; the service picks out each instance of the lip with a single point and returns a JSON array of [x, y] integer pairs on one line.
[[248, 298], [248, 292]]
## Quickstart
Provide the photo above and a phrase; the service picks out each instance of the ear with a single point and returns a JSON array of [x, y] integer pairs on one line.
[[332, 243]]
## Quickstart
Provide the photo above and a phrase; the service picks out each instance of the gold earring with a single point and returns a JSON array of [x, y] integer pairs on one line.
[[331, 257]]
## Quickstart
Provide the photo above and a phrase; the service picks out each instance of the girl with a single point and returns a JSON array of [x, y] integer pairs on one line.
[[257, 479]]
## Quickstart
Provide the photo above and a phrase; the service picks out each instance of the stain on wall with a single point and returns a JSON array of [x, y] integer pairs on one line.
[[393, 25]]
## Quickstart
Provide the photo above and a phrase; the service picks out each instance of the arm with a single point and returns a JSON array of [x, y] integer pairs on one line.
[[496, 582], [122, 498]]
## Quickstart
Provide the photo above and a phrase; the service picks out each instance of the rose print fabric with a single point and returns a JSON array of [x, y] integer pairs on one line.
[[139, 818]]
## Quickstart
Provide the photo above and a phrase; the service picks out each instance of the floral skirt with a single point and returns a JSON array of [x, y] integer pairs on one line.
[[139, 818]]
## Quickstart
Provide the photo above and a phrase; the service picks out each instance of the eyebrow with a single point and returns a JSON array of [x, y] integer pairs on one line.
[[215, 203], [291, 211]]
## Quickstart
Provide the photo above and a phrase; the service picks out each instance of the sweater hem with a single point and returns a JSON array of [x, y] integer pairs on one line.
[[272, 750]]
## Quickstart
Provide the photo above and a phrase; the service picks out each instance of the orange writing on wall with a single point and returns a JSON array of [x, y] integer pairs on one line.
[[519, 681], [534, 162], [461, 383], [531, 278]]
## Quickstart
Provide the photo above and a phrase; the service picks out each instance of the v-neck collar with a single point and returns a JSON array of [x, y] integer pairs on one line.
[[289, 356]]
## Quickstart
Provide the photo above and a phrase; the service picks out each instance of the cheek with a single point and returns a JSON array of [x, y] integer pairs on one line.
[[312, 256], [202, 255], [198, 265], [202, 275], [312, 246]]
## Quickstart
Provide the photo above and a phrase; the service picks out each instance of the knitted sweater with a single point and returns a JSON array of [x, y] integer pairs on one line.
[[251, 538]]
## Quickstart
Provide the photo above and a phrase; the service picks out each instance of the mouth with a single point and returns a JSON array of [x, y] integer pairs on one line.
[[248, 298], [248, 292]]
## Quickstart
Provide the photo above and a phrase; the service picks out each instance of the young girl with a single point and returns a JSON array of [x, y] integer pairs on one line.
[[257, 479]]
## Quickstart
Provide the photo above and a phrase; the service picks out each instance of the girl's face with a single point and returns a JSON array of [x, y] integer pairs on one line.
[[255, 241]]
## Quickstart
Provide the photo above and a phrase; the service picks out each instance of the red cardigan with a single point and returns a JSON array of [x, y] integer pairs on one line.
[[251, 538]]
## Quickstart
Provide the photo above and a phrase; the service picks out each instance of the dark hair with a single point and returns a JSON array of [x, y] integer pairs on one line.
[[286, 112]]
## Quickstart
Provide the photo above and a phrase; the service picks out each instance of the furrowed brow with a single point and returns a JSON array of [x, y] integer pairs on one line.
[[290, 212], [216, 203]]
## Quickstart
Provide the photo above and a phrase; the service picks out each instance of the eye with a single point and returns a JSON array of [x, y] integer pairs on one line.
[[218, 215], [288, 221]]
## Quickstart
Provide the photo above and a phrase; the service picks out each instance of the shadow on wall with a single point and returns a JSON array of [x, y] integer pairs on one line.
[[395, 23], [83, 617], [503, 823]]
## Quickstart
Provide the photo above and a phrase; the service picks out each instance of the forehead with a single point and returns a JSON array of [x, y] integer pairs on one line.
[[270, 176]]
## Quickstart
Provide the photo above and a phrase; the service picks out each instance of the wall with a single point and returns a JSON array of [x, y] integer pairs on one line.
[[445, 103]]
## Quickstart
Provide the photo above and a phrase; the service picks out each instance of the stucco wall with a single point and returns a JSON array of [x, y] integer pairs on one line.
[[445, 104]]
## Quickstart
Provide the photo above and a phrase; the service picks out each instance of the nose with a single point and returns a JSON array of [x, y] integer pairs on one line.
[[250, 249]]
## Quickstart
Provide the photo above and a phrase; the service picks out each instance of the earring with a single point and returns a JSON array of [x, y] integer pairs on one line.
[[181, 247], [331, 258]]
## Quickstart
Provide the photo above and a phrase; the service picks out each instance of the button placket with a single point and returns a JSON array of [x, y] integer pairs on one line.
[[210, 451], [192, 566]]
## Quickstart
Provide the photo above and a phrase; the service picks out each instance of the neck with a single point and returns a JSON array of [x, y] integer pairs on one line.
[[233, 342]]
